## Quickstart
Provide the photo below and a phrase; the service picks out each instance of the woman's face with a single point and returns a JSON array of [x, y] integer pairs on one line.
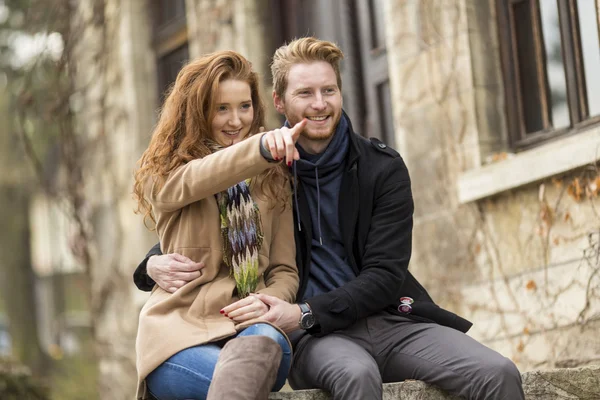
[[234, 112]]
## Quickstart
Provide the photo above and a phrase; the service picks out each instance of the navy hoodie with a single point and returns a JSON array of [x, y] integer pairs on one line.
[[321, 176]]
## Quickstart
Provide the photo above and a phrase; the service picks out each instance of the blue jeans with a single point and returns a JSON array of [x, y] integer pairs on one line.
[[187, 374]]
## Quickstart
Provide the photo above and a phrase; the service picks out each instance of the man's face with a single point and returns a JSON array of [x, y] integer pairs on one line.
[[312, 93]]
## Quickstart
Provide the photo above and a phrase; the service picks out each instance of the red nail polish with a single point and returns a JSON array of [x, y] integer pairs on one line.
[[289, 163], [222, 312], [227, 315]]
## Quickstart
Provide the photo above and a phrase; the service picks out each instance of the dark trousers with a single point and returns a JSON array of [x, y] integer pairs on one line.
[[354, 362]]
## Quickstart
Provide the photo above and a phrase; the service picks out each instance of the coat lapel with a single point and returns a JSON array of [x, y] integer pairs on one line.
[[348, 210], [303, 234]]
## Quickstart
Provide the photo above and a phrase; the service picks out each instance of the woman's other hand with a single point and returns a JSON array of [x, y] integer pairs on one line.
[[245, 309], [281, 143]]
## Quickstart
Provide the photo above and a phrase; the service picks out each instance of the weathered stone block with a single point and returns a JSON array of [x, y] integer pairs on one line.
[[574, 383], [409, 390]]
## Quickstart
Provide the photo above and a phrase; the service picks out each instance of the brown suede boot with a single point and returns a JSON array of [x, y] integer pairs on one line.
[[246, 369]]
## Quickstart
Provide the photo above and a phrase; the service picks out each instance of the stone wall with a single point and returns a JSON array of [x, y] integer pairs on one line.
[[513, 263]]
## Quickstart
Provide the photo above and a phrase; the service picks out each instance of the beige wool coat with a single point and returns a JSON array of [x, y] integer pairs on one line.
[[188, 222]]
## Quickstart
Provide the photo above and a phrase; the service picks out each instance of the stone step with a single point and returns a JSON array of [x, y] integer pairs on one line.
[[566, 383]]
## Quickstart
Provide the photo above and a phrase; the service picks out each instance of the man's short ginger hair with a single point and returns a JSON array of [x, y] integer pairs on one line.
[[303, 50]]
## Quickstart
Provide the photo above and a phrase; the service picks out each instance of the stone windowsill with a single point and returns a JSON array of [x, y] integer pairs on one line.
[[530, 166]]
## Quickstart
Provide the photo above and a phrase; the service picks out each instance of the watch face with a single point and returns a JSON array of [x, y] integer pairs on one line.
[[308, 320]]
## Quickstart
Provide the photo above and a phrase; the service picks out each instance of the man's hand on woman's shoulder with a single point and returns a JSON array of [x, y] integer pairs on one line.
[[173, 271]]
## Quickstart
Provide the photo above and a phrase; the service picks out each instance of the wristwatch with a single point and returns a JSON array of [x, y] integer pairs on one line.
[[307, 319]]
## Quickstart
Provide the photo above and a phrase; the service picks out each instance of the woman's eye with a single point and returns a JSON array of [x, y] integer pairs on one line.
[[247, 106], [222, 108]]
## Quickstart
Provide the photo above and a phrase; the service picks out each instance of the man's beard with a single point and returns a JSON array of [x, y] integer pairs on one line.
[[320, 137]]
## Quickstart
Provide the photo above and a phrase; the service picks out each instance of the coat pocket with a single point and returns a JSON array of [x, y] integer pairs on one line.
[[212, 261]]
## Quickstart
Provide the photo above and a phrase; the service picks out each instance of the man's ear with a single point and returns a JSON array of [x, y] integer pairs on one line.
[[278, 102]]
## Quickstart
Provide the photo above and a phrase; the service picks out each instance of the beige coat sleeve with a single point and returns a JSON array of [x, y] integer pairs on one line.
[[281, 277], [212, 174]]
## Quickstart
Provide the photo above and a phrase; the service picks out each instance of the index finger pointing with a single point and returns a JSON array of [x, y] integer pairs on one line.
[[297, 129]]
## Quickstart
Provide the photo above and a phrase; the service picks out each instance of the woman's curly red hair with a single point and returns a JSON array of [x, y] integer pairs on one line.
[[183, 130]]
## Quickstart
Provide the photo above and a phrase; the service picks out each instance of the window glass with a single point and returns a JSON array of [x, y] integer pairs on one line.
[[588, 26], [555, 68]]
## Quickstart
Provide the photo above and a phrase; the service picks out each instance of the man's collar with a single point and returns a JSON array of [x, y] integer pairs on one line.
[[353, 151]]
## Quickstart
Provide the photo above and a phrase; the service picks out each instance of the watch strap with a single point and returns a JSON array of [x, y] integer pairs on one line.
[[304, 308]]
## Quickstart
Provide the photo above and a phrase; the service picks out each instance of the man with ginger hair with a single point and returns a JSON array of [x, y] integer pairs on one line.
[[361, 319]]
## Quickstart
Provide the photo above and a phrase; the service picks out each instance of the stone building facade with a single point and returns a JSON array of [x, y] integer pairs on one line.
[[492, 103]]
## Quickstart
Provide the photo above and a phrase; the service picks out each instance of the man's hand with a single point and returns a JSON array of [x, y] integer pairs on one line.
[[281, 313], [245, 309], [172, 271]]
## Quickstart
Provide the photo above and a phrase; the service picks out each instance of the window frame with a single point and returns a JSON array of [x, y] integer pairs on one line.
[[168, 37], [365, 69], [572, 57], [171, 34], [375, 74]]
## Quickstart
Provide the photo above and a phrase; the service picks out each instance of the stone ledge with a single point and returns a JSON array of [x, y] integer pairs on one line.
[[547, 160], [568, 383]]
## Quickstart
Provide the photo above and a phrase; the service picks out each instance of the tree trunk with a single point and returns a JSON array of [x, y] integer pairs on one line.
[[18, 279], [17, 285]]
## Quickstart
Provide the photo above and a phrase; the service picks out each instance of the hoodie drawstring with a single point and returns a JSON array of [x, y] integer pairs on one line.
[[318, 201], [318, 205]]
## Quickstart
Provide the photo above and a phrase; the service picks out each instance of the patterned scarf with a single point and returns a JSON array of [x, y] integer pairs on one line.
[[241, 230]]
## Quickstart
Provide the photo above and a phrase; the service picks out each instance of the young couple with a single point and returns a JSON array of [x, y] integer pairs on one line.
[[297, 238]]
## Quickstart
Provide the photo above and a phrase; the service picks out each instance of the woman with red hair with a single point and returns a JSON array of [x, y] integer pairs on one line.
[[217, 195]]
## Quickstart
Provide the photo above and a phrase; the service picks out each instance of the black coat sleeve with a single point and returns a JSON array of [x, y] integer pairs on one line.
[[140, 277], [385, 259]]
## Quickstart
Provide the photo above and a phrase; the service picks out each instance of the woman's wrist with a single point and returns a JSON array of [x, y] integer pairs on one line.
[[264, 151]]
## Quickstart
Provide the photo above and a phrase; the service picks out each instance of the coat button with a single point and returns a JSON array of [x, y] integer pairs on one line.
[[382, 145]]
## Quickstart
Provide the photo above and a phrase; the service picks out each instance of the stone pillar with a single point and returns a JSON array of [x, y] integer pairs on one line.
[[115, 99], [434, 116]]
